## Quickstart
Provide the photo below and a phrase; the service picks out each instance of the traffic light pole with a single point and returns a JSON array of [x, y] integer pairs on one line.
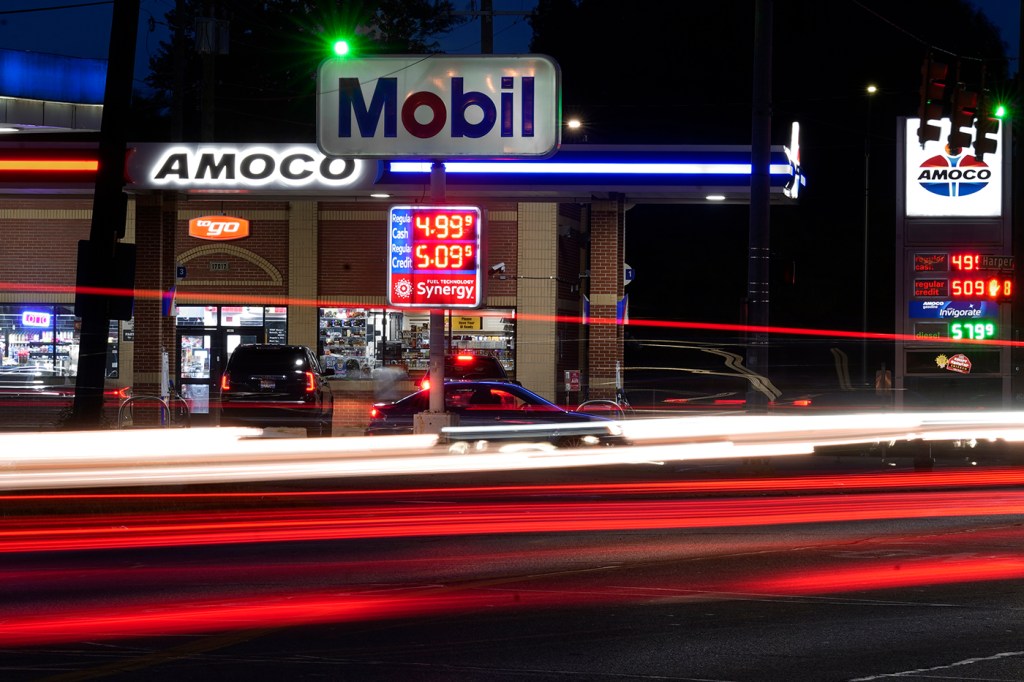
[[109, 210], [758, 255], [1016, 148]]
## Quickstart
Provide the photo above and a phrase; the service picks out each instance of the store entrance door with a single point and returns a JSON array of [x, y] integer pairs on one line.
[[202, 356]]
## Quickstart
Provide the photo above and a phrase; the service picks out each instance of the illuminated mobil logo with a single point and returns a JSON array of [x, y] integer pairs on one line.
[[953, 310], [939, 183], [438, 105], [954, 176], [218, 228], [262, 167], [35, 319]]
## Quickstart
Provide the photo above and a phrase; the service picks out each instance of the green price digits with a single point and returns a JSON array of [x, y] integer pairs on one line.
[[975, 331]]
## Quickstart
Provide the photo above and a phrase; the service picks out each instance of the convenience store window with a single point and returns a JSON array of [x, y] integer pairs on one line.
[[357, 341], [272, 320], [45, 339]]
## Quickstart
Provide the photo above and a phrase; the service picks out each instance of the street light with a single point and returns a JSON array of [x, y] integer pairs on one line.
[[871, 90]]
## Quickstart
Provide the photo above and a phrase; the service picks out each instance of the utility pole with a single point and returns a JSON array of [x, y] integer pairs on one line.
[[758, 250], [1015, 146], [486, 27], [487, 14], [98, 264]]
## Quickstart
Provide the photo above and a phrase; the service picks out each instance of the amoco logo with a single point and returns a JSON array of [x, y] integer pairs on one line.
[[954, 175], [218, 227]]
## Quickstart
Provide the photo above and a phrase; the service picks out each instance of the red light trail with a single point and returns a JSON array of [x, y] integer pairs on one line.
[[177, 597], [210, 298], [169, 529]]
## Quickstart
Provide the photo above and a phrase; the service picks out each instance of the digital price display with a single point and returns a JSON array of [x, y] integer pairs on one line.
[[972, 262], [998, 288], [977, 330], [434, 257]]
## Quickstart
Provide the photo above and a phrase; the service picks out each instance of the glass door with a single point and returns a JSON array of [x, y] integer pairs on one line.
[[196, 360]]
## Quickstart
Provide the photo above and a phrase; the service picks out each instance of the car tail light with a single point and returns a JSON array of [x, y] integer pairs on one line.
[[225, 381], [310, 382], [374, 412], [803, 402], [122, 393], [465, 358]]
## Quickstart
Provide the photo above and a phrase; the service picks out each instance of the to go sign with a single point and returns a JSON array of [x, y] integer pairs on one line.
[[218, 227]]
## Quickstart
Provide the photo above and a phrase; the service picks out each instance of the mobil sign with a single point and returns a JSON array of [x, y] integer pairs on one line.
[[943, 182], [439, 106]]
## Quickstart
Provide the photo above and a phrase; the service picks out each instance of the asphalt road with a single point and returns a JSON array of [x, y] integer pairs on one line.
[[815, 568]]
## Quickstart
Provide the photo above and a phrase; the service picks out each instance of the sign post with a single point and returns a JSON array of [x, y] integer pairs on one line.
[[955, 273], [438, 107]]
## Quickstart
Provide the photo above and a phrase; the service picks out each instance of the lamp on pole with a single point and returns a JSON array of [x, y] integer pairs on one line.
[[870, 90]]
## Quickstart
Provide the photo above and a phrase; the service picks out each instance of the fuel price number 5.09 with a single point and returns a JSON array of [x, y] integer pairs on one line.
[[444, 240]]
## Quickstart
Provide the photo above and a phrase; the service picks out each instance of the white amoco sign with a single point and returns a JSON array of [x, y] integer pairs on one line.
[[439, 106]]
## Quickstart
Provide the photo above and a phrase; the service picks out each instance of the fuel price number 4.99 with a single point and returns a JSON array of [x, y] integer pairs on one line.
[[444, 240]]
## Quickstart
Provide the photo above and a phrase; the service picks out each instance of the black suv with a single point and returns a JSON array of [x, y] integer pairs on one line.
[[271, 385], [469, 367]]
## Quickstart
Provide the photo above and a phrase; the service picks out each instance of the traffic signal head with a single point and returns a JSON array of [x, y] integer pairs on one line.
[[933, 92], [965, 106], [341, 47], [986, 129]]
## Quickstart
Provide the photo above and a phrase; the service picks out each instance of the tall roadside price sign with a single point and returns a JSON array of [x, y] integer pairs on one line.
[[955, 274], [433, 108]]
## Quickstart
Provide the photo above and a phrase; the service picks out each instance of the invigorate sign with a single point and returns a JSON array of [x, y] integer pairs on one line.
[[434, 257], [439, 106], [943, 182]]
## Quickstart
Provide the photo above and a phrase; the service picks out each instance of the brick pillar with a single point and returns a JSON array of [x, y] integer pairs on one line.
[[606, 262], [155, 221], [537, 297], [302, 272]]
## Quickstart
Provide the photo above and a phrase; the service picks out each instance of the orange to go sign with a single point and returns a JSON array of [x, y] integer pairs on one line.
[[218, 227]]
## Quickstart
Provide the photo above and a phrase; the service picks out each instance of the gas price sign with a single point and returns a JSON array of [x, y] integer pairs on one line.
[[968, 275], [434, 257], [979, 330]]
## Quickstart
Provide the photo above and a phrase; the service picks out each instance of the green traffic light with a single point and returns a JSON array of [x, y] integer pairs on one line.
[[1000, 111], [341, 47]]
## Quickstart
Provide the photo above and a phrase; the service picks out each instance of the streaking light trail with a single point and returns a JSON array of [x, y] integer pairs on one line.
[[114, 531]]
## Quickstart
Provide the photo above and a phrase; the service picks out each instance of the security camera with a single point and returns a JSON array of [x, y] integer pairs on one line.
[[497, 268]]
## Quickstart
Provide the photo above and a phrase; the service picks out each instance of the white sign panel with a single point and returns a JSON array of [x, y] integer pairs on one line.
[[941, 183], [439, 106]]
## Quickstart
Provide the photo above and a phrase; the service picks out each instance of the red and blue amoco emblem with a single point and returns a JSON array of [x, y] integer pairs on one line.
[[954, 175]]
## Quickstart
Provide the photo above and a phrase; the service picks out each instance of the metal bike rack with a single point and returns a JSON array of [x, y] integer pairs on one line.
[[164, 405]]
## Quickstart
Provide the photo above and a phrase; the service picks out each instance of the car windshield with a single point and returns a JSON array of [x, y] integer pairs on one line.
[[264, 361]]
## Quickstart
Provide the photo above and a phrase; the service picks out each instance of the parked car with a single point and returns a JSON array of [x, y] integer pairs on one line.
[[483, 405], [469, 367], [272, 385], [33, 398]]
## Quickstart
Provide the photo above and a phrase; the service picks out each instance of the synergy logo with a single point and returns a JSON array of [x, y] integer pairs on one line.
[[954, 175]]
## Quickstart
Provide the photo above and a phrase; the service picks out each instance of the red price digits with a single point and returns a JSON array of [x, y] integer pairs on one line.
[[443, 256], [965, 261], [443, 225], [993, 288]]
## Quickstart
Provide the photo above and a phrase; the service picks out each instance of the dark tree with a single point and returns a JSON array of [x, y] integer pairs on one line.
[[680, 73], [264, 87]]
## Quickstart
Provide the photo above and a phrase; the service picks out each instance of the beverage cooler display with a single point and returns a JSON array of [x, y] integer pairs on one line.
[[45, 339]]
